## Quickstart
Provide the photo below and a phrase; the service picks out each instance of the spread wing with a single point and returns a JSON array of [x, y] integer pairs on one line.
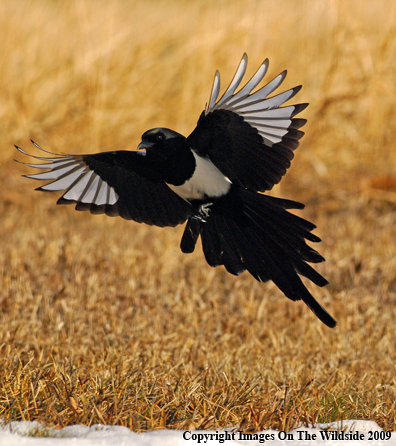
[[249, 136], [111, 183]]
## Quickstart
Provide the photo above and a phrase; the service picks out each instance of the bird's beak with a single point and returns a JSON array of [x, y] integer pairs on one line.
[[145, 145]]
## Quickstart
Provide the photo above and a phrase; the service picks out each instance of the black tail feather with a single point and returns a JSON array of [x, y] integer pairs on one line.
[[210, 237], [271, 257], [190, 236], [254, 232], [287, 236], [223, 250], [307, 271]]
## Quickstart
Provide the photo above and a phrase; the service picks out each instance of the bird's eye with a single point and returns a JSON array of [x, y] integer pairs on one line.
[[159, 137]]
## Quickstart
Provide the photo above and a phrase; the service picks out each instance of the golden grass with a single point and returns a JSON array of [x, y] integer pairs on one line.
[[106, 321]]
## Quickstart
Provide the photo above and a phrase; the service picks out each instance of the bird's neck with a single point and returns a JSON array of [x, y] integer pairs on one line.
[[179, 164]]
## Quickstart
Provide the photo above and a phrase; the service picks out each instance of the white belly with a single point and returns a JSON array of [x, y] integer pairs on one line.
[[207, 181]]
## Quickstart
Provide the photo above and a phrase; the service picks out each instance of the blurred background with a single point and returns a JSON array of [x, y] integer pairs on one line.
[[85, 76]]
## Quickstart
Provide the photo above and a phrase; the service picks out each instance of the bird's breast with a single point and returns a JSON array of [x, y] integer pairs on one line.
[[206, 182]]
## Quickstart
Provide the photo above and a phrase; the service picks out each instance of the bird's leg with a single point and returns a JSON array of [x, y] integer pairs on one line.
[[203, 212]]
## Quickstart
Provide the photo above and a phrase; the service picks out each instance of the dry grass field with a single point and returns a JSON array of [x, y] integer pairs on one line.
[[106, 321]]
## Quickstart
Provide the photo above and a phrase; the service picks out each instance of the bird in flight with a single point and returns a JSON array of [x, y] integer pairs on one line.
[[242, 145]]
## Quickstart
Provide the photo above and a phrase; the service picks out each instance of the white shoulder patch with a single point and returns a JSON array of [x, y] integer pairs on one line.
[[206, 182]]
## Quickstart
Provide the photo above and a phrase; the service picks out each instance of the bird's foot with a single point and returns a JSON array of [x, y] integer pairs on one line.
[[203, 212]]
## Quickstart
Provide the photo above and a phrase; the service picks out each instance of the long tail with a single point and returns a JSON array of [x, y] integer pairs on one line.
[[255, 232]]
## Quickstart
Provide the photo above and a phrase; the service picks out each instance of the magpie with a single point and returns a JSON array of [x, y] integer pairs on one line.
[[214, 180]]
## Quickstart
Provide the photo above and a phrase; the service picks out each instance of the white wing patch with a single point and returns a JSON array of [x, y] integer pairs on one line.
[[214, 93], [264, 114], [234, 83], [71, 174]]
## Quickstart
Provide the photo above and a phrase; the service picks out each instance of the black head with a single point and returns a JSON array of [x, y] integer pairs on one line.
[[157, 138], [167, 152]]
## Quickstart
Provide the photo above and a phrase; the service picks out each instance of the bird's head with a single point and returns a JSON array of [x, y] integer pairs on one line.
[[167, 152], [158, 138]]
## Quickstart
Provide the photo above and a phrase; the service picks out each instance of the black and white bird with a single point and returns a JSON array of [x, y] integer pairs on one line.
[[242, 145]]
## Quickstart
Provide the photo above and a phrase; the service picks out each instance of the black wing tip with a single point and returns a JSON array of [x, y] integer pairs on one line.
[[315, 239], [294, 134], [97, 209], [91, 207], [288, 143], [80, 206], [21, 150], [40, 189], [62, 200], [297, 123], [296, 90], [298, 108]]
